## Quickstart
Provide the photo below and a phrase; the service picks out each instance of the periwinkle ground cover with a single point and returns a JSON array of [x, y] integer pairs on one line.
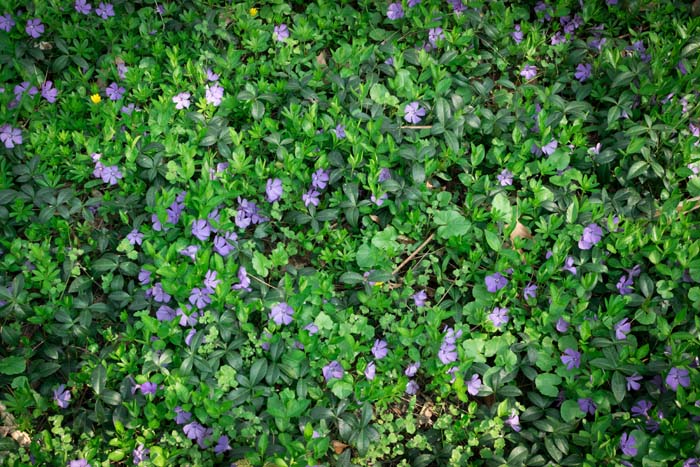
[[349, 233]]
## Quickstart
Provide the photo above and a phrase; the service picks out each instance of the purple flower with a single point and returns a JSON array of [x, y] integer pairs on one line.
[[499, 316], [200, 297], [104, 10], [140, 454], [62, 396], [587, 405], [210, 280], [165, 313], [633, 382], [622, 328], [691, 462], [182, 100], [473, 385], [627, 445], [434, 35], [311, 197], [79, 463], [114, 91], [530, 291], [34, 28], [214, 94], [412, 388], [6, 22], [111, 174], [211, 76], [641, 408], [379, 201], [159, 294], [243, 280], [128, 109], [145, 388], [144, 277], [187, 320], [514, 421], [201, 229], [529, 71], [319, 179], [281, 314], [571, 358], [339, 131], [517, 35], [583, 72], [384, 175], [505, 178], [412, 369], [333, 370], [495, 282], [413, 113], [448, 349], [181, 416], [273, 189], [190, 251], [624, 285], [395, 11], [550, 147], [370, 371], [135, 237], [174, 211], [592, 234], [569, 265], [380, 349], [49, 92], [10, 136], [222, 445], [412, 3], [312, 328], [678, 376], [189, 336], [681, 67], [420, 298], [194, 431], [225, 244], [121, 70], [281, 32]]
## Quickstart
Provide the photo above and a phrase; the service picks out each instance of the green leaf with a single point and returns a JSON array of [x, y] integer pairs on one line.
[[257, 110], [341, 388], [366, 256], [111, 397], [502, 205], [637, 169], [493, 240], [570, 411], [452, 224], [619, 386], [99, 379], [547, 384], [258, 370], [13, 365]]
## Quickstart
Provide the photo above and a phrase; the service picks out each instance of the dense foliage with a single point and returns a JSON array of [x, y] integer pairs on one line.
[[344, 233]]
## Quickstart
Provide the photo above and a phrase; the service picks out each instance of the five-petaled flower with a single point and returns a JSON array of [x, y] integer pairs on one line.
[[10, 137], [583, 72], [413, 113], [571, 358], [114, 91], [281, 32], [529, 71], [104, 10], [62, 396], [182, 100], [274, 189], [622, 328], [495, 282], [34, 28], [592, 234], [380, 349], [395, 11], [628, 445], [281, 314], [678, 377], [333, 370], [82, 6], [499, 316]]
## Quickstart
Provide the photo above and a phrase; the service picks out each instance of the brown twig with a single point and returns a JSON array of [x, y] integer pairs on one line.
[[413, 255]]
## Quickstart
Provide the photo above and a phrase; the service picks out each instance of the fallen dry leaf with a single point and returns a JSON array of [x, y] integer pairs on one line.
[[338, 447], [520, 231], [321, 59]]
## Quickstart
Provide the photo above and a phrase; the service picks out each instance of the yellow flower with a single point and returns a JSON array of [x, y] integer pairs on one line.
[[253, 11], [95, 98]]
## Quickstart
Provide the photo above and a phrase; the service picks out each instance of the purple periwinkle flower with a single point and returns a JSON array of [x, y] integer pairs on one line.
[[530, 291], [49, 92], [384, 175], [182, 100], [379, 201], [312, 328], [495, 282], [243, 281], [201, 229], [550, 147], [194, 431], [499, 316], [622, 328], [412, 3], [200, 297], [569, 265], [79, 463], [6, 22], [395, 11], [474, 385], [273, 189], [380, 349], [190, 251], [62, 396], [434, 35], [158, 294], [571, 358], [412, 369], [281, 314], [528, 71], [144, 277], [281, 32], [517, 34], [340, 131], [505, 178], [624, 285], [210, 280], [111, 174], [676, 377], [583, 72], [225, 244], [641, 408], [10, 137], [420, 298], [319, 179], [165, 313], [34, 28], [514, 421], [105, 10], [413, 113], [145, 388], [333, 370], [135, 237], [311, 197], [370, 371], [181, 416], [633, 382], [587, 405], [628, 445], [222, 445], [114, 91], [412, 388], [448, 349], [214, 94], [592, 234], [140, 454]]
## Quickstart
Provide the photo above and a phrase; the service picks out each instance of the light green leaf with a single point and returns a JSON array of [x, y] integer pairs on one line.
[[502, 205]]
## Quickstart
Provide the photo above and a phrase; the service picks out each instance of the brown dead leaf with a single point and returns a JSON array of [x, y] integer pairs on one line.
[[520, 231], [321, 59], [374, 218], [338, 447]]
